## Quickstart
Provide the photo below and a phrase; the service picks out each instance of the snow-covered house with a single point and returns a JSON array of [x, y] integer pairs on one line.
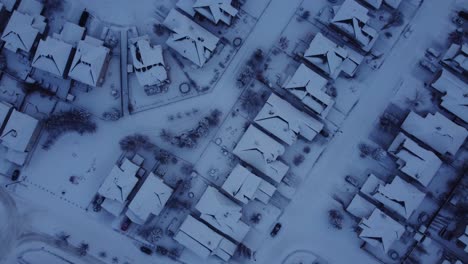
[[436, 131], [118, 185], [23, 32], [189, 39], [222, 213], [456, 58], [332, 59], [454, 94], [70, 33], [53, 56], [9, 5], [414, 160], [309, 87], [213, 10], [90, 62], [464, 239], [19, 135], [216, 10], [204, 241], [149, 200], [351, 19], [380, 230], [360, 207], [285, 122], [398, 196], [31, 7], [261, 152], [245, 186], [393, 3], [148, 61]]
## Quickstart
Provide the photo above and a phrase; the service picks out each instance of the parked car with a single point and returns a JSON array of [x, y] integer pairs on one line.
[[276, 229], [351, 180], [426, 64], [15, 175], [98, 200], [146, 250], [433, 52], [125, 224]]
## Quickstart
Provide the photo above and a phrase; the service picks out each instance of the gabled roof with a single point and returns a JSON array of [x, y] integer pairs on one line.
[[456, 57], [286, 122], [415, 161], [148, 61], [119, 183], [380, 230], [149, 200], [189, 39], [352, 18], [20, 32], [374, 3], [216, 10], [245, 186], [52, 56], [436, 131], [455, 91], [88, 62], [325, 54], [309, 87], [399, 196], [393, 3], [261, 151], [222, 213], [203, 241], [19, 131], [360, 207]]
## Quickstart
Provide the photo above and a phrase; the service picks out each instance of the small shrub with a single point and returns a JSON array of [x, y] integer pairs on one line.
[[298, 159], [336, 218], [136, 142]]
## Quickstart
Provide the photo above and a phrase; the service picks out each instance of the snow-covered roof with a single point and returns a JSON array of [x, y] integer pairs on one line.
[[245, 186], [261, 151], [222, 213], [436, 131], [71, 33], [30, 7], [374, 3], [414, 160], [8, 4], [393, 3], [52, 56], [351, 18], [464, 239], [325, 54], [360, 207], [399, 196], [456, 57], [286, 122], [19, 131], [149, 200], [5, 110], [371, 185], [455, 92], [380, 230], [309, 87], [22, 31], [189, 39], [89, 62], [118, 185], [216, 10], [148, 61], [203, 241]]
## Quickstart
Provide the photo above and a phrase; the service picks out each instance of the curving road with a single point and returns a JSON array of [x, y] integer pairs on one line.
[[10, 227]]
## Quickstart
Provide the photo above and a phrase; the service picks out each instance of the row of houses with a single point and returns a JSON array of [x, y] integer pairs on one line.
[[413, 150]]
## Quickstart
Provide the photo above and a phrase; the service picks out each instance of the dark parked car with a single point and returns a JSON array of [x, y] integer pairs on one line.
[[351, 180], [98, 200], [15, 175], [146, 250], [275, 230], [125, 224]]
